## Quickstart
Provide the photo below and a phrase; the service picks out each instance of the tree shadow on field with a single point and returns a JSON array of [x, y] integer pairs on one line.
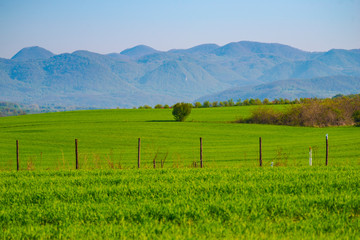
[[161, 121]]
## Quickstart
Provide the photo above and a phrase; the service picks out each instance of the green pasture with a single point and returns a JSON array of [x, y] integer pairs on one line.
[[224, 203], [108, 139]]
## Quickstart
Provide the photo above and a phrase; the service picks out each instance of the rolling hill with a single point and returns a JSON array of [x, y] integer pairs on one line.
[[32, 53], [294, 88], [143, 75]]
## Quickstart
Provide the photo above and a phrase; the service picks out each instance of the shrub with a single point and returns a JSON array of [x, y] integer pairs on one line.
[[263, 115], [356, 117], [312, 112], [181, 111]]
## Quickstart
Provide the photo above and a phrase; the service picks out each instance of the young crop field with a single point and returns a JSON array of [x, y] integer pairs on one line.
[[109, 139], [230, 198], [225, 203]]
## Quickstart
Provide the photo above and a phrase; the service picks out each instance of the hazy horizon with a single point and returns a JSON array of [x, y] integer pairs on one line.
[[113, 26]]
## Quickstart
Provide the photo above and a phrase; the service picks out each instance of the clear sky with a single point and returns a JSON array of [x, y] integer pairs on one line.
[[106, 26]]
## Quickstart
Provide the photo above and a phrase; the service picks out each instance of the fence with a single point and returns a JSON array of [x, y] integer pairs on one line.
[[158, 159]]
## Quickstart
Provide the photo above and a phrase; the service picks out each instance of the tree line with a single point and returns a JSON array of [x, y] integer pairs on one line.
[[246, 102], [337, 111]]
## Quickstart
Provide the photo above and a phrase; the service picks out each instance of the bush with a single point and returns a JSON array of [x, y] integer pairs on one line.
[[158, 106], [181, 111], [312, 112], [356, 117]]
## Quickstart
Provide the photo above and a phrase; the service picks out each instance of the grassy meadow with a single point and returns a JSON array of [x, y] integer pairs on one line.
[[108, 139], [230, 198], [232, 203]]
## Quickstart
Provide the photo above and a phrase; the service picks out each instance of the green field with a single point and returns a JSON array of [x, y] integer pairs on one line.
[[236, 203], [231, 198], [108, 138]]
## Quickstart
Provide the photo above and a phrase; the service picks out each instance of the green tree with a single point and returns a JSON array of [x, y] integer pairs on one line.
[[157, 106], [296, 101], [231, 102], [206, 104], [356, 117], [266, 101], [181, 111], [257, 101], [166, 106], [246, 102], [197, 105], [215, 104], [238, 103]]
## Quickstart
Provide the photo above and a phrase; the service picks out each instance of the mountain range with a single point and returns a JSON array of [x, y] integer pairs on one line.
[[143, 75]]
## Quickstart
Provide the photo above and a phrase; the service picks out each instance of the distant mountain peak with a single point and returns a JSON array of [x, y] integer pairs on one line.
[[244, 48], [139, 51], [143, 75], [32, 53], [202, 48]]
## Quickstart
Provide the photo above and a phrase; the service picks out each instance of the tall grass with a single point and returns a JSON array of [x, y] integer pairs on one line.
[[232, 203]]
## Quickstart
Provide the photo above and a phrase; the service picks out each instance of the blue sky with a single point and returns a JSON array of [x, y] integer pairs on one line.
[[106, 26]]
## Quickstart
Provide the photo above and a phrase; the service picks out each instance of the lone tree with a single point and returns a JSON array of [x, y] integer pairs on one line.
[[181, 111]]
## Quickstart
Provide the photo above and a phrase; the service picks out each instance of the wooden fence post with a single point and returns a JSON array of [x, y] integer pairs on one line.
[[17, 155], [260, 152], [76, 154], [201, 153], [327, 150], [154, 160], [139, 151]]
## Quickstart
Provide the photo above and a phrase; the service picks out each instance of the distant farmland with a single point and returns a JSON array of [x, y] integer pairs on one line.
[[108, 138]]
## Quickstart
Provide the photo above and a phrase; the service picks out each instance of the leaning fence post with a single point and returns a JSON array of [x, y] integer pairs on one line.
[[201, 153], [76, 154], [260, 152], [310, 156], [139, 151], [17, 155], [327, 149]]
